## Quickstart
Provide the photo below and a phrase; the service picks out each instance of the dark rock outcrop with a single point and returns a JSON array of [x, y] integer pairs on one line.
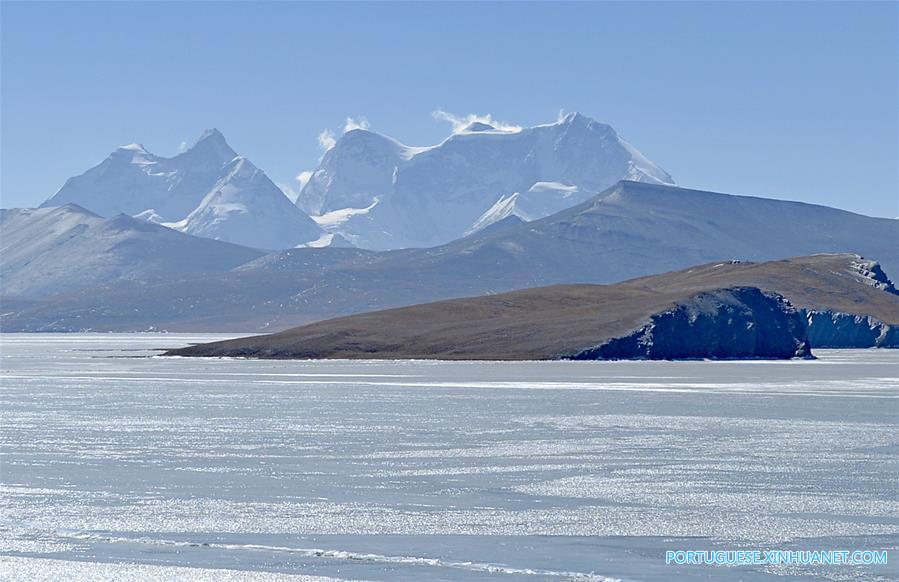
[[743, 322], [847, 300], [829, 329], [873, 274]]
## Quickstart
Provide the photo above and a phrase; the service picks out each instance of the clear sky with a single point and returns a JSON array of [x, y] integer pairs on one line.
[[788, 100]]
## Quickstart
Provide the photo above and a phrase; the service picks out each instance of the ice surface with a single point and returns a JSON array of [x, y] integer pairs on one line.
[[116, 465]]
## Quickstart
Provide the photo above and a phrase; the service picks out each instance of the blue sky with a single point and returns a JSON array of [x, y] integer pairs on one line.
[[788, 100]]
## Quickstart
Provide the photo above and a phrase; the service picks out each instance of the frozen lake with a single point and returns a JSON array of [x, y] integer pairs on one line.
[[116, 465]]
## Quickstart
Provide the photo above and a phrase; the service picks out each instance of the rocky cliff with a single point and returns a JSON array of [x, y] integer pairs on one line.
[[847, 301], [829, 329], [743, 322]]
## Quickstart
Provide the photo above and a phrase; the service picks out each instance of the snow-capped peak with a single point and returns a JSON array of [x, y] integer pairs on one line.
[[476, 126], [133, 153], [207, 190], [210, 134], [245, 207], [428, 196], [579, 121], [211, 144], [576, 117], [133, 147]]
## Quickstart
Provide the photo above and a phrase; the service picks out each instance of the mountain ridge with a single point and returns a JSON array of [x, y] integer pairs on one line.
[[643, 230], [53, 250], [397, 196], [207, 190]]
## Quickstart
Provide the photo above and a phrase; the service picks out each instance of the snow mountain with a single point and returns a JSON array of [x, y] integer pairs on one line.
[[381, 194], [208, 190]]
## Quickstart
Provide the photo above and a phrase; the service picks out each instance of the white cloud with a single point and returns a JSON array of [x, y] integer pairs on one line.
[[304, 177], [360, 123], [460, 123], [291, 194], [182, 147], [326, 139]]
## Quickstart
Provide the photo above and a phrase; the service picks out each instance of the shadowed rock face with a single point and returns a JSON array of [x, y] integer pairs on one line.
[[733, 323], [848, 301], [561, 322], [828, 329]]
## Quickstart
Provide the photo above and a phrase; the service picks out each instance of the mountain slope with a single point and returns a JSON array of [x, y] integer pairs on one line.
[[394, 196], [207, 191], [57, 249], [629, 231], [245, 207], [634, 229]]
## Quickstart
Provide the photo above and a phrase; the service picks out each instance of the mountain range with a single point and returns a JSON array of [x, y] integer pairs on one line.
[[369, 190], [207, 191], [205, 241], [380, 194], [630, 230]]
